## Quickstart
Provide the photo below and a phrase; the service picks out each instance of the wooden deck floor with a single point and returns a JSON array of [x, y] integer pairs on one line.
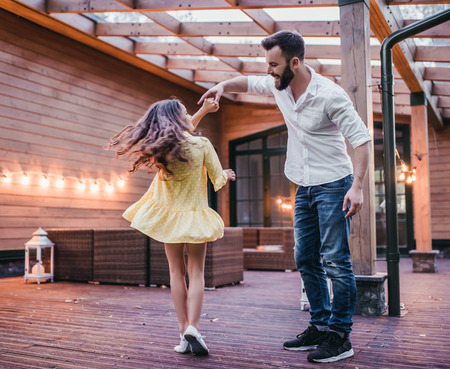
[[74, 325]]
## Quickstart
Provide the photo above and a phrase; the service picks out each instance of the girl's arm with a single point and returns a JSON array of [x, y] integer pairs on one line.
[[208, 106]]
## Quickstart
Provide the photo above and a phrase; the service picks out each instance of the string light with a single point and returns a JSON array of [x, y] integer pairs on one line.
[[25, 179], [44, 181], [407, 175], [60, 182], [94, 186], [6, 178]]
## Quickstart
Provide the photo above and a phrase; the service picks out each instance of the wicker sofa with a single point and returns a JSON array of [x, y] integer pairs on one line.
[[127, 256], [269, 248]]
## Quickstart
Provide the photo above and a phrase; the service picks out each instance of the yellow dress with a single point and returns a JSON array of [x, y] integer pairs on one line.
[[176, 210]]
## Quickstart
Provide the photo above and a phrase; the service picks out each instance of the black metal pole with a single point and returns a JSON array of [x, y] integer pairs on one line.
[[387, 82]]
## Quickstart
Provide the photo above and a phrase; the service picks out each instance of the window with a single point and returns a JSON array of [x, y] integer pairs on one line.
[[261, 195]]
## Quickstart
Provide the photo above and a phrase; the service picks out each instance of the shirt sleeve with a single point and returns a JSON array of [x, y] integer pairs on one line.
[[216, 174], [341, 112], [260, 85]]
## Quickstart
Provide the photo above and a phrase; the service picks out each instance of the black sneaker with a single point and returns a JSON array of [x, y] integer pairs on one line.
[[332, 348], [308, 340]]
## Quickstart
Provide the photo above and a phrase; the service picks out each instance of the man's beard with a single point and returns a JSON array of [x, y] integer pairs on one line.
[[285, 78]]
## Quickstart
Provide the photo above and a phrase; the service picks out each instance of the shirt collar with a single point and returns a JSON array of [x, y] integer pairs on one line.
[[313, 83]]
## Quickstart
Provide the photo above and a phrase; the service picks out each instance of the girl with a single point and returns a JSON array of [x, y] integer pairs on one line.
[[175, 208]]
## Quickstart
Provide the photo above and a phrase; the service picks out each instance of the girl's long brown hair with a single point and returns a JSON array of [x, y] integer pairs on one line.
[[156, 139]]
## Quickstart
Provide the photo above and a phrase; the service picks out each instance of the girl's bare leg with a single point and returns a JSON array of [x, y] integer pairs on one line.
[[178, 289], [196, 273]]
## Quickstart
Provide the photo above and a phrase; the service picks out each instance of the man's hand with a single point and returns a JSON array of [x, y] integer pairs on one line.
[[230, 174], [215, 93], [355, 197]]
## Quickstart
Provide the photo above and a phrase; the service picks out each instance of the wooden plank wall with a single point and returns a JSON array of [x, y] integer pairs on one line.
[[439, 150], [60, 101]]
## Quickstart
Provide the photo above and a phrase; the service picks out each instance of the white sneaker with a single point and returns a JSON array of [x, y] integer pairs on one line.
[[183, 347], [195, 339]]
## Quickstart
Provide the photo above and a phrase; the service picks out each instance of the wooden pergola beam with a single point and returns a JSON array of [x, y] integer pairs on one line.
[[198, 64], [82, 6], [432, 54], [440, 31], [251, 50], [441, 89], [384, 20], [437, 73], [417, 2], [200, 29]]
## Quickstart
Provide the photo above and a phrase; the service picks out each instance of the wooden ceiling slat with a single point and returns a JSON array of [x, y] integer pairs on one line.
[[81, 6], [198, 64], [311, 28], [437, 73], [432, 53], [444, 102], [440, 31], [221, 29], [166, 48], [441, 89], [213, 76], [198, 29], [417, 2], [131, 29]]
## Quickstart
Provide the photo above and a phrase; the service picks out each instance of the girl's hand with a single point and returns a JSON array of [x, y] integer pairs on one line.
[[230, 174], [210, 106]]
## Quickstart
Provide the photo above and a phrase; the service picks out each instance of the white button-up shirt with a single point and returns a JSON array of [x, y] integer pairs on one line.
[[317, 123]]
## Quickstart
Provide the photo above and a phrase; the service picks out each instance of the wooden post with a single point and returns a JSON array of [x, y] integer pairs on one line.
[[420, 161], [356, 80]]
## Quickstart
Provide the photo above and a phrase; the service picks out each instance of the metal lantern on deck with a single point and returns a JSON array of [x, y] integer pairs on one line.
[[39, 257]]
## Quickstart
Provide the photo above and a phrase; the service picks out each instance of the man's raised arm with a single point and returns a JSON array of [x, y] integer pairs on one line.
[[237, 85]]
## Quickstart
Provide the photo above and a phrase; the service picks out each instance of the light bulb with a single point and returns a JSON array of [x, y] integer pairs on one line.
[[81, 185], [60, 183], [404, 167], [413, 177], [25, 179], [409, 179], [44, 181], [110, 188], [121, 182], [6, 178], [402, 176], [94, 186]]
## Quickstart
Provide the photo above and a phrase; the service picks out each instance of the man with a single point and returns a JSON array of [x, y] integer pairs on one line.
[[318, 114]]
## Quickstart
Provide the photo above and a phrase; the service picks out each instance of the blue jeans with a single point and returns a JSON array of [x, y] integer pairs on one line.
[[321, 249]]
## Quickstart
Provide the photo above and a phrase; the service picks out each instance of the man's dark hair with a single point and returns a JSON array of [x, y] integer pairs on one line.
[[291, 44]]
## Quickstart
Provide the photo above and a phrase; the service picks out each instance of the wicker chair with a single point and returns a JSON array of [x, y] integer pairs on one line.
[[74, 254], [256, 257], [224, 259], [223, 264], [120, 256], [159, 267]]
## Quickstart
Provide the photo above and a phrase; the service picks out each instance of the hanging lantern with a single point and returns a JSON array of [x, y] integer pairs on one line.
[[39, 257]]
